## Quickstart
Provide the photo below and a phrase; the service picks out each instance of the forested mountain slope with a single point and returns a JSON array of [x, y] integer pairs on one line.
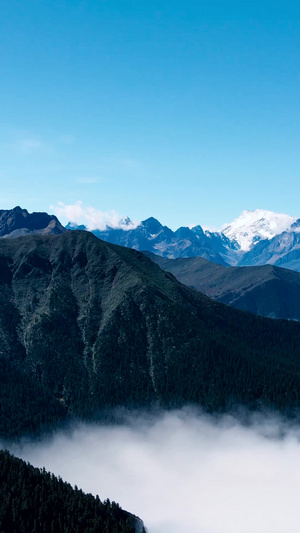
[[86, 325], [33, 500]]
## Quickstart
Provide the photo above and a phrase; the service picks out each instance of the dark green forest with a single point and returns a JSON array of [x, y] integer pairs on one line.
[[35, 501], [87, 326]]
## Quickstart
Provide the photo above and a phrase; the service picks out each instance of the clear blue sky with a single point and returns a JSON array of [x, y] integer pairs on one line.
[[188, 111]]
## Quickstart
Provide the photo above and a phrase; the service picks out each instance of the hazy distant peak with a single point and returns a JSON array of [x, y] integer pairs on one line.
[[124, 223], [253, 226], [295, 227], [152, 225], [74, 226], [198, 230]]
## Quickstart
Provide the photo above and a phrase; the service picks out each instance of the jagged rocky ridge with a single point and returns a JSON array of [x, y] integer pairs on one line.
[[255, 238], [243, 243], [17, 222], [152, 236], [86, 326]]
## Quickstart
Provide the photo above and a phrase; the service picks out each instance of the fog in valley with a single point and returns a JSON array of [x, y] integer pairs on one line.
[[184, 471]]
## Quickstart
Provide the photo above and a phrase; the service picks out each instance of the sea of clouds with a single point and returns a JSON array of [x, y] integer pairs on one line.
[[184, 471]]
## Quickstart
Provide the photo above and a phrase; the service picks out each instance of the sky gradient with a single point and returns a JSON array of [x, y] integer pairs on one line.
[[184, 111]]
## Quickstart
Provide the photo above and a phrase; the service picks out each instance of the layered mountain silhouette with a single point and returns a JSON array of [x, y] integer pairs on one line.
[[152, 236], [255, 238], [243, 243], [87, 326], [267, 290], [16, 222]]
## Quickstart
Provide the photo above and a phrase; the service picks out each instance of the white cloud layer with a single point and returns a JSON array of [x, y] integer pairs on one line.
[[78, 213], [184, 472]]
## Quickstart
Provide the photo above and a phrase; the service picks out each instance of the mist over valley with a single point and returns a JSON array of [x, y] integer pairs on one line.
[[184, 470], [149, 267], [90, 329]]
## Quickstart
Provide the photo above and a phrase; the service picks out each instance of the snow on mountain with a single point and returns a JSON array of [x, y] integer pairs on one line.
[[254, 238], [126, 224], [252, 226]]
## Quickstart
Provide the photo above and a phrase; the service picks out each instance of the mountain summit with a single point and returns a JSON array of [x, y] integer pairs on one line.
[[252, 226], [17, 222]]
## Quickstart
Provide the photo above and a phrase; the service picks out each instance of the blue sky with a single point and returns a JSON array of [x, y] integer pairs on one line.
[[186, 111]]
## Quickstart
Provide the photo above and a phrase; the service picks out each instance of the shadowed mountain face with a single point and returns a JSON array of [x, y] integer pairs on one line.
[[264, 290], [283, 250], [86, 326], [16, 222]]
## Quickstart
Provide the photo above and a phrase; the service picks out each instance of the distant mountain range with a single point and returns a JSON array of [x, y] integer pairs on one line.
[[87, 326], [263, 289], [266, 290], [255, 238], [152, 236]]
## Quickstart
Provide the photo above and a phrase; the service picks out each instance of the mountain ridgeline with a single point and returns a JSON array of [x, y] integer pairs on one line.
[[87, 326], [35, 500], [152, 236], [17, 222], [255, 238], [266, 290]]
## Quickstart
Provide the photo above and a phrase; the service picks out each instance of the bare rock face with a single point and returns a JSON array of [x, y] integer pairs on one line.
[[17, 222]]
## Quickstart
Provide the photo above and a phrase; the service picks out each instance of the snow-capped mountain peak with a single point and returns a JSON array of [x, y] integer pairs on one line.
[[126, 223], [252, 226]]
